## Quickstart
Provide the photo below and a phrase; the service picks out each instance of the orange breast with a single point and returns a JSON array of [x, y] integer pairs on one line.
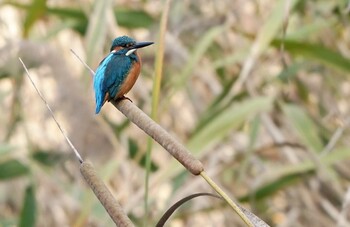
[[131, 78]]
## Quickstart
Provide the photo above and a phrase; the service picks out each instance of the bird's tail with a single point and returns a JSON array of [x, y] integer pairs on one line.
[[99, 102], [98, 109]]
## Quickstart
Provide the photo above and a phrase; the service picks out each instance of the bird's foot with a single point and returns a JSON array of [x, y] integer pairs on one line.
[[122, 98]]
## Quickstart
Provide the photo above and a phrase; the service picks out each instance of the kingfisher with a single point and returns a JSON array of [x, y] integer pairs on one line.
[[118, 71]]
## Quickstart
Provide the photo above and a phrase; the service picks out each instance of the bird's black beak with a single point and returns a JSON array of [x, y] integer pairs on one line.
[[133, 48], [140, 45]]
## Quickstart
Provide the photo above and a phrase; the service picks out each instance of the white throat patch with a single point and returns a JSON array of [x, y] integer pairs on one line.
[[130, 52]]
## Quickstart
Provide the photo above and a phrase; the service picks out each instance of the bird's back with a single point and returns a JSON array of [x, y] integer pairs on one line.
[[110, 79]]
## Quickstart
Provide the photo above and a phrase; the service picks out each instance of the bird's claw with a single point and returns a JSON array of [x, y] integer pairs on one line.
[[122, 98]]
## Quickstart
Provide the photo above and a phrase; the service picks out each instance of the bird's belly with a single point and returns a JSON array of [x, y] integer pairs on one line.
[[130, 80]]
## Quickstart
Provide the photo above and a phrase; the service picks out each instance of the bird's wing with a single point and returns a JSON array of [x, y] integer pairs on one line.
[[116, 71], [100, 91]]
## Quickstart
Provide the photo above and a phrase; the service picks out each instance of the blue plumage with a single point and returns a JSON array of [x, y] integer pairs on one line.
[[100, 91], [110, 81], [121, 41], [110, 75]]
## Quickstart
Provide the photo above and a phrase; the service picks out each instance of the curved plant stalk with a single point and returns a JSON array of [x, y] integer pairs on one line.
[[173, 208], [257, 222]]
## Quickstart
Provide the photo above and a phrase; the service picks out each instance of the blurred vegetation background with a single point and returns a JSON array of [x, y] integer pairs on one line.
[[257, 90]]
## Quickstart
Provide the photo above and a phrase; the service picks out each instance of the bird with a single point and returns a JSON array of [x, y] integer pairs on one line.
[[118, 71]]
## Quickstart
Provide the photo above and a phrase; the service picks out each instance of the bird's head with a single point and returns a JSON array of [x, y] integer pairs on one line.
[[127, 45]]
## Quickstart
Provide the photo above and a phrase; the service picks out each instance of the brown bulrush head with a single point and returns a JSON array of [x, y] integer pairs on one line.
[[144, 122]]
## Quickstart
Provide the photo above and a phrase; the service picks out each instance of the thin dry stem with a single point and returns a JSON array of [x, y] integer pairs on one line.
[[52, 114], [233, 205], [92, 73]]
